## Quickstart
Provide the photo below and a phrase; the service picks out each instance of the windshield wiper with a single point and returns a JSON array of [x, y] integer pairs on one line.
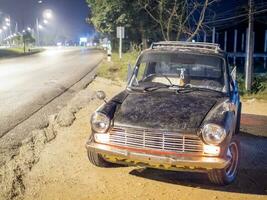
[[154, 88], [190, 88], [148, 88]]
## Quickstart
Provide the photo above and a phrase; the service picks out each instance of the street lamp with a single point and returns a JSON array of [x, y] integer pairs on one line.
[[4, 27], [29, 29], [7, 19], [47, 14]]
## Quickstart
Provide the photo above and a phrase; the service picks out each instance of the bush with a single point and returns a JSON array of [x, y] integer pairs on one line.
[[258, 88]]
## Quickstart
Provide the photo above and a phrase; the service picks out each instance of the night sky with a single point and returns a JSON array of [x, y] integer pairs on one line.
[[69, 15]]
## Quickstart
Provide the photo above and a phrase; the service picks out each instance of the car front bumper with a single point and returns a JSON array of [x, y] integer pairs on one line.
[[172, 162]]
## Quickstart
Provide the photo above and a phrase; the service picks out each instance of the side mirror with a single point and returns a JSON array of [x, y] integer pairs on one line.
[[101, 95]]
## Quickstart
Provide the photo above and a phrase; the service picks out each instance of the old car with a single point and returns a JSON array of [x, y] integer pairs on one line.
[[180, 111]]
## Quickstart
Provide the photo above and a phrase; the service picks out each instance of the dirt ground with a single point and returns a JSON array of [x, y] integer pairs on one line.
[[256, 107], [64, 171]]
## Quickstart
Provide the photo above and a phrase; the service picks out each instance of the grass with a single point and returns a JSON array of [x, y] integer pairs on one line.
[[260, 96], [258, 90], [117, 69], [18, 51]]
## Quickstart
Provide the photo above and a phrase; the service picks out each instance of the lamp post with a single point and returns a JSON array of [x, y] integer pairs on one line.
[[37, 32], [47, 15], [1, 38]]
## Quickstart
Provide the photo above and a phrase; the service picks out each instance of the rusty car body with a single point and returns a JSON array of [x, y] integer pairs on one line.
[[180, 111]]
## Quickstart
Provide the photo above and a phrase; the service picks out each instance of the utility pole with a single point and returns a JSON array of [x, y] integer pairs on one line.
[[249, 49]]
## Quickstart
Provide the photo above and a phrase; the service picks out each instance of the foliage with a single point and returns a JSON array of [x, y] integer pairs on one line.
[[106, 15], [27, 38], [177, 19], [149, 19], [258, 89]]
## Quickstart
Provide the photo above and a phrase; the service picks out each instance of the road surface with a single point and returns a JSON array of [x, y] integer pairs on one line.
[[28, 83]]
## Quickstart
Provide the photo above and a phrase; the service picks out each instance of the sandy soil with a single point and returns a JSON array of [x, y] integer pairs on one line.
[[64, 172], [256, 107]]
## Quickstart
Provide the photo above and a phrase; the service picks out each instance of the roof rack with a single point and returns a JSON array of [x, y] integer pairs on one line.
[[188, 45]]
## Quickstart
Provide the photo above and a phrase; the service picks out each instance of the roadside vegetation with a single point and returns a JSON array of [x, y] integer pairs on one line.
[[18, 51], [117, 69], [20, 45], [258, 89]]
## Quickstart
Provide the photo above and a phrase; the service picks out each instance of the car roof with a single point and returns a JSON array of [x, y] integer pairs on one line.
[[187, 47]]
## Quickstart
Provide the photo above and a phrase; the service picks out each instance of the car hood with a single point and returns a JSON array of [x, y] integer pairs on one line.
[[164, 110]]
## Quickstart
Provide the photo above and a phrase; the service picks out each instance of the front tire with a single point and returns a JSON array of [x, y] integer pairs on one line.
[[98, 160], [228, 174]]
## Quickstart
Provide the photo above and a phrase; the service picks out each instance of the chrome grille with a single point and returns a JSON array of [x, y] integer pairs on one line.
[[155, 140]]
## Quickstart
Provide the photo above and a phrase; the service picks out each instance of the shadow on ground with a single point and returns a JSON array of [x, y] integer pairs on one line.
[[252, 177]]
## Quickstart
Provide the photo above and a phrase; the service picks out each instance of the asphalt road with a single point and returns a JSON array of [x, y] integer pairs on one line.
[[29, 83]]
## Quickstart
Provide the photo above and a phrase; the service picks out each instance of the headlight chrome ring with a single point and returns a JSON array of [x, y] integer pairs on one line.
[[213, 134], [100, 122]]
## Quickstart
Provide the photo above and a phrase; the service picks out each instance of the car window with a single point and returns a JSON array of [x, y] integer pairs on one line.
[[198, 70], [141, 71]]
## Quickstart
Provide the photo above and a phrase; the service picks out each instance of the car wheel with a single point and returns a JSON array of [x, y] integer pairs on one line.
[[229, 173], [237, 127], [98, 160]]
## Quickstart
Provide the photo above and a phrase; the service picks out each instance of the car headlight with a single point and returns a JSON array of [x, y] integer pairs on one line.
[[100, 122], [213, 134]]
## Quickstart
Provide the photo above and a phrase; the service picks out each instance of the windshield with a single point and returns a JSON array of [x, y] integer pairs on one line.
[[179, 70]]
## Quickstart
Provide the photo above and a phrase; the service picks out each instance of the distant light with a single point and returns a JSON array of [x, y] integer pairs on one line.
[[7, 19], [45, 21], [23, 31], [15, 34], [29, 29], [7, 24], [83, 40], [59, 44], [40, 1], [4, 27], [193, 40], [48, 14], [40, 26]]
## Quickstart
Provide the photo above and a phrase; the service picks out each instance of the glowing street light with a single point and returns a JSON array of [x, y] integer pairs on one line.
[[4, 27], [47, 14], [40, 26], [7, 24], [29, 29], [45, 21], [7, 19]]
